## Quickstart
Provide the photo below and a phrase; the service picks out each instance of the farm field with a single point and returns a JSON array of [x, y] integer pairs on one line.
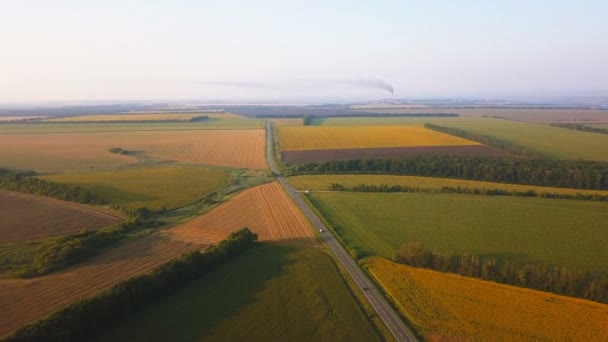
[[553, 142], [28, 217], [291, 293], [251, 208], [604, 125], [87, 151], [18, 118], [322, 182], [320, 137], [451, 307], [133, 117], [265, 209], [560, 232], [23, 301], [530, 115], [151, 187]]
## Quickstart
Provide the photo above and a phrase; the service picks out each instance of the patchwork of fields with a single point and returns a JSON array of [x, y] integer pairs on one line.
[[560, 232], [318, 137], [26, 217], [152, 187], [59, 152], [448, 307]]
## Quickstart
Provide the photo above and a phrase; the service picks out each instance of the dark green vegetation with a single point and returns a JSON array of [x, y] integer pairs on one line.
[[559, 280], [579, 127], [531, 230], [26, 183], [543, 172], [489, 140], [118, 150], [465, 190], [275, 292], [88, 317]]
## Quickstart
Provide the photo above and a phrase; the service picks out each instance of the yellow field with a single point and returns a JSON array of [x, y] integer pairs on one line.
[[58, 152], [322, 182], [154, 187], [287, 121], [448, 307], [336, 137], [143, 117]]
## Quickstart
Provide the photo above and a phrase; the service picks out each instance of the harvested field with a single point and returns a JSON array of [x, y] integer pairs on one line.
[[142, 117], [58, 152], [23, 301], [265, 209], [448, 307], [287, 121], [294, 138], [27, 217], [387, 153]]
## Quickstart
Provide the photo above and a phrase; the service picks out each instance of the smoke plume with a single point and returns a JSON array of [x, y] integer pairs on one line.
[[370, 83]]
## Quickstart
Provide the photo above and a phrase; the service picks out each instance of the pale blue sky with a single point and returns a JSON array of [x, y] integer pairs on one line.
[[91, 50]]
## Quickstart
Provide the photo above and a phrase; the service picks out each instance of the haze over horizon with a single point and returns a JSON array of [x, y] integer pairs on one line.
[[272, 50]]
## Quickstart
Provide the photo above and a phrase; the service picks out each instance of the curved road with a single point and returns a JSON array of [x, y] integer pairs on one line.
[[377, 301]]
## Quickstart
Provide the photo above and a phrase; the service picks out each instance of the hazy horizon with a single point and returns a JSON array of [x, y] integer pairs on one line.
[[68, 51]]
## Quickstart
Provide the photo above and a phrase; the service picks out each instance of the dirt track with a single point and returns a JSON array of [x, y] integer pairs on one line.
[[27, 217], [308, 156]]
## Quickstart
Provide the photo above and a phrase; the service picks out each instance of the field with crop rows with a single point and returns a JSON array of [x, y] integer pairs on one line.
[[59, 152], [448, 307], [561, 232], [265, 209], [553, 142], [26, 300], [152, 187], [274, 292], [26, 217], [322, 182], [320, 137]]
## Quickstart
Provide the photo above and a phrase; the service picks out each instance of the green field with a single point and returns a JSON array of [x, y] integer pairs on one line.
[[322, 182], [274, 292], [560, 232], [602, 125], [231, 123], [153, 187]]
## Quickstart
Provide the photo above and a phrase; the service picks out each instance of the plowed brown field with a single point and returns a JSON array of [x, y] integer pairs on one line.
[[26, 217], [265, 209]]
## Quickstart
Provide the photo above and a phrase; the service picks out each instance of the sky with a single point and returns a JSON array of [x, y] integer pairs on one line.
[[300, 50]]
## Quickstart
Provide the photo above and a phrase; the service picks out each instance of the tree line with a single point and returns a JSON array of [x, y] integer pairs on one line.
[[466, 190], [578, 174], [579, 127], [86, 318], [485, 140], [26, 183], [586, 285]]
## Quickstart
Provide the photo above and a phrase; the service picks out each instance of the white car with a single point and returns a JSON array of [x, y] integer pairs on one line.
[[320, 230]]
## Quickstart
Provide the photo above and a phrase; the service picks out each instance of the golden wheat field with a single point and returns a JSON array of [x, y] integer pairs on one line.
[[142, 117], [448, 307], [294, 138], [265, 209], [58, 152]]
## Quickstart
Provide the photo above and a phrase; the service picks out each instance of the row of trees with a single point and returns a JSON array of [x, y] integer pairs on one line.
[[587, 285], [26, 183], [84, 319], [579, 127], [465, 190], [486, 140], [578, 174]]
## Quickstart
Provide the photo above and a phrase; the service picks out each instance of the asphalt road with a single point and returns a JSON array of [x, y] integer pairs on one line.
[[377, 301]]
